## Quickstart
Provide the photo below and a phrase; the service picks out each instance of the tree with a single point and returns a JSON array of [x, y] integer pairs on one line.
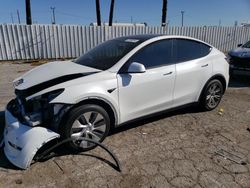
[[164, 13], [111, 12], [28, 12], [98, 13]]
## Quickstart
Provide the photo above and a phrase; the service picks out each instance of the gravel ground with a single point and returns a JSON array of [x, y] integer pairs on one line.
[[176, 149]]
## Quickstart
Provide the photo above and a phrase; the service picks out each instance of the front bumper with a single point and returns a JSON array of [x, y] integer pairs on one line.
[[22, 142]]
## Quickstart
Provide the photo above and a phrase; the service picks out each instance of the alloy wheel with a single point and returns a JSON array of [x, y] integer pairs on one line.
[[214, 94], [91, 125]]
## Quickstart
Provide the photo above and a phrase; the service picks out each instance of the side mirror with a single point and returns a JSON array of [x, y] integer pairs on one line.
[[239, 45], [136, 68]]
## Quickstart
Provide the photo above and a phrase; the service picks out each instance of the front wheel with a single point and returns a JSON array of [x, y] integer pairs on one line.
[[87, 121], [211, 95]]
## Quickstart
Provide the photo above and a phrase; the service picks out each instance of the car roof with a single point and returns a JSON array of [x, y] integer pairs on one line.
[[145, 37]]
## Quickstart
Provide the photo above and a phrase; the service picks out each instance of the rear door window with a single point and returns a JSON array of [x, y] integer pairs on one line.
[[186, 50]]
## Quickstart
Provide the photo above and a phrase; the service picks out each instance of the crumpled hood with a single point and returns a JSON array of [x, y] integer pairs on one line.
[[240, 52], [59, 70]]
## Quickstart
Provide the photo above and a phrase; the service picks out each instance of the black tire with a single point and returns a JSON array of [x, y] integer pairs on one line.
[[75, 122], [211, 95]]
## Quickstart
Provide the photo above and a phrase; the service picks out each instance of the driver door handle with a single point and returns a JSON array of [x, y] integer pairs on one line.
[[165, 74]]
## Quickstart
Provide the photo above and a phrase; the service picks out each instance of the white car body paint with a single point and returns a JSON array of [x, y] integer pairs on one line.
[[134, 95], [143, 94], [50, 71]]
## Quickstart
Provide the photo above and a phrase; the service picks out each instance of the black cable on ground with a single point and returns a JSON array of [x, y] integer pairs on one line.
[[48, 151]]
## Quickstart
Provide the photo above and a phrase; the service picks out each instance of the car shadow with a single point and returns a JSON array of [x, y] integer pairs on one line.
[[190, 109], [62, 151]]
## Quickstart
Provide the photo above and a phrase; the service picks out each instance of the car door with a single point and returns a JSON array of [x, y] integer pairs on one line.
[[193, 69], [152, 91]]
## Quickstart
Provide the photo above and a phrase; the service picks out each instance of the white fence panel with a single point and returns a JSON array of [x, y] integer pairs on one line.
[[70, 41]]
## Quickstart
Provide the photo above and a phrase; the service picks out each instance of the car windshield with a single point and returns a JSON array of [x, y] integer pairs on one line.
[[247, 45], [107, 54]]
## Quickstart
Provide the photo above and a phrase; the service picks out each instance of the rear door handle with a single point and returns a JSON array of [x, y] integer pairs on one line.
[[165, 74], [204, 65]]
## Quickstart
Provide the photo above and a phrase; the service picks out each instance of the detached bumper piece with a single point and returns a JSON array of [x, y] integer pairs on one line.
[[22, 142]]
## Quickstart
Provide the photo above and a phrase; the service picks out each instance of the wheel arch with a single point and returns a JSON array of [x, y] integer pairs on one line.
[[219, 77], [104, 104]]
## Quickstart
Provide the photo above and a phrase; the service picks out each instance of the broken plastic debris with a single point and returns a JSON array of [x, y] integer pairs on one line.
[[229, 156]]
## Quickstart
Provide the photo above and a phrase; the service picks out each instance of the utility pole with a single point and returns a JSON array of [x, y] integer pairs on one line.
[[219, 22], [18, 16], [164, 13], [53, 15], [182, 18], [28, 12], [98, 13], [111, 12]]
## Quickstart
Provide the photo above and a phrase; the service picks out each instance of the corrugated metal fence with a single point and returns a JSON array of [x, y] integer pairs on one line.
[[69, 41]]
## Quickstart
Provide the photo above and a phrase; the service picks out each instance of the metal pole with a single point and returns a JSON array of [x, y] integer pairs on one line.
[[18, 16], [98, 13], [182, 18], [53, 14], [164, 13], [28, 13], [111, 12]]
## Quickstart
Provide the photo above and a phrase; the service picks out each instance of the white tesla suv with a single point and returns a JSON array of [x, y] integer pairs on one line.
[[118, 81]]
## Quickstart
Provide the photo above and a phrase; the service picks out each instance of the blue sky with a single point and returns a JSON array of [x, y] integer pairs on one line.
[[197, 12]]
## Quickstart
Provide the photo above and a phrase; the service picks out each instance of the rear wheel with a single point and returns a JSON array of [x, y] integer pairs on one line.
[[88, 121], [211, 95]]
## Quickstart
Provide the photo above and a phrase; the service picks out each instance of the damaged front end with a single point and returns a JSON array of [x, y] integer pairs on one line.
[[35, 111], [30, 124]]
